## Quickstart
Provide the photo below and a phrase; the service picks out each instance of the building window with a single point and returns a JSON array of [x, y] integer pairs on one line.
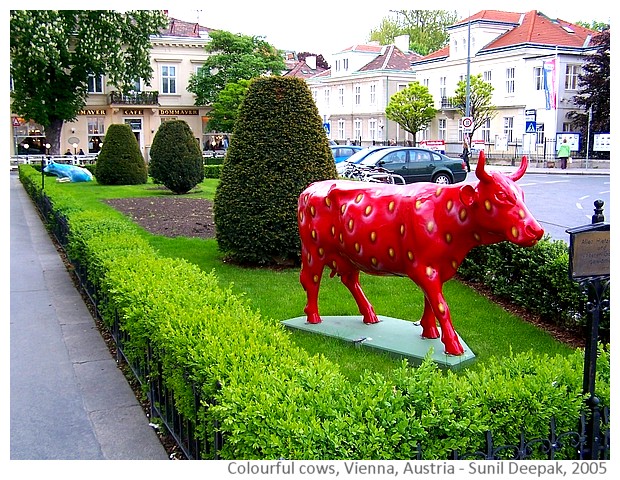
[[95, 84], [510, 80], [341, 96], [345, 64], [136, 86], [425, 82], [372, 129], [508, 122], [572, 77], [373, 93], [326, 97], [443, 128], [315, 95], [358, 95], [96, 132], [540, 133], [486, 76], [567, 127], [337, 63], [486, 131], [341, 130], [168, 79], [539, 83], [442, 87], [357, 129]]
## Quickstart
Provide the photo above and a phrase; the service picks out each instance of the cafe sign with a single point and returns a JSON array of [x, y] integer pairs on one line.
[[178, 111]]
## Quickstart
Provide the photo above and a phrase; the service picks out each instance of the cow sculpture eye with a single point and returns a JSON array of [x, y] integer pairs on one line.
[[504, 198]]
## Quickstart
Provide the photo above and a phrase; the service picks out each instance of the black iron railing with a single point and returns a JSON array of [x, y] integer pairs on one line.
[[134, 98]]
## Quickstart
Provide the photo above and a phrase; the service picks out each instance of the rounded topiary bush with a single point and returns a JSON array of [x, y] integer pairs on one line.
[[120, 161], [278, 148], [176, 159]]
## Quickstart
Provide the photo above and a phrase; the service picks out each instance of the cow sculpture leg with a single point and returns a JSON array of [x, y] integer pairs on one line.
[[436, 307], [351, 280], [310, 279]]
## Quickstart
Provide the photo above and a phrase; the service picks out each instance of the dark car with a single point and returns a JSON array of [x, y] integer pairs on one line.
[[418, 165]]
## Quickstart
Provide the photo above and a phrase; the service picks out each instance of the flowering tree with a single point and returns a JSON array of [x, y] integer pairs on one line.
[[54, 52]]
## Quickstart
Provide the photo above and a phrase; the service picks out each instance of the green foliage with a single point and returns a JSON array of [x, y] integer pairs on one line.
[[427, 29], [53, 52], [233, 57], [412, 108], [226, 107], [279, 147], [120, 161], [535, 278], [176, 158], [480, 97]]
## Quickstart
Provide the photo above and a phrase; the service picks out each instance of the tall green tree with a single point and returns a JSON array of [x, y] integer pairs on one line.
[[53, 53], [412, 108], [233, 57], [225, 110], [427, 29], [594, 89], [480, 98]]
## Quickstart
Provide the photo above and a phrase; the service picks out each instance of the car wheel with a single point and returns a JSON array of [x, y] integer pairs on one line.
[[442, 179]]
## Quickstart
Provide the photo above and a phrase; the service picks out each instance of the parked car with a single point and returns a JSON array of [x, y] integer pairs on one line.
[[358, 156], [418, 165], [342, 152]]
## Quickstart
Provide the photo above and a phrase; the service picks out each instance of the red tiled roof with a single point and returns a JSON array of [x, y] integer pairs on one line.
[[533, 28], [180, 28], [392, 58], [363, 49], [302, 70]]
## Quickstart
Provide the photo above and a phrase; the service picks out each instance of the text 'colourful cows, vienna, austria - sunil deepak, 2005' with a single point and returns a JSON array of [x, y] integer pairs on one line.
[[421, 230]]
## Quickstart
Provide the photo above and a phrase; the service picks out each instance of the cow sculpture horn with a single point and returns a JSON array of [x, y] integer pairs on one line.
[[482, 174]]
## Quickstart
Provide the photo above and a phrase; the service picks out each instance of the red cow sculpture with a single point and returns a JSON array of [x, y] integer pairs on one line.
[[421, 230]]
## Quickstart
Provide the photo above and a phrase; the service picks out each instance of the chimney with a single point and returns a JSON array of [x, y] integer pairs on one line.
[[311, 61], [402, 43]]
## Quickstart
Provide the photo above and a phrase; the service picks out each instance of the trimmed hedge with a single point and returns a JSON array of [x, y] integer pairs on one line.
[[273, 400]]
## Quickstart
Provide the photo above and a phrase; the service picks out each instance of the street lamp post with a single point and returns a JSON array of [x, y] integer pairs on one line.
[[47, 152], [75, 145], [26, 146]]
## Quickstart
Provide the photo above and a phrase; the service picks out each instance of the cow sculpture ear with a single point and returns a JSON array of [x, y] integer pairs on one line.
[[467, 195]]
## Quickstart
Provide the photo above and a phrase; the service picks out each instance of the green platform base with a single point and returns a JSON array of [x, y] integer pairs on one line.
[[397, 337]]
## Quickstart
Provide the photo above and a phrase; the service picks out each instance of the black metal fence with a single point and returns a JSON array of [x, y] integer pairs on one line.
[[148, 372]]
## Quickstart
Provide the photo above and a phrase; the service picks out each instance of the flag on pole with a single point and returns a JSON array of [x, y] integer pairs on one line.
[[549, 80]]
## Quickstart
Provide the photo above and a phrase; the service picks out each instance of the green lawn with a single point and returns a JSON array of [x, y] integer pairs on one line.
[[486, 327]]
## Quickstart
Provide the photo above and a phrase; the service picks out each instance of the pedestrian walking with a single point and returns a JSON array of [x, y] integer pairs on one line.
[[465, 155], [564, 154]]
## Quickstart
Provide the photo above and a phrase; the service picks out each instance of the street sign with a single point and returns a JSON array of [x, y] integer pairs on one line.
[[530, 127], [468, 123], [327, 128], [530, 115]]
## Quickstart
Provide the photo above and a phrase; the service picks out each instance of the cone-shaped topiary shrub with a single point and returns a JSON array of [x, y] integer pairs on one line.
[[176, 158], [120, 162], [278, 148]]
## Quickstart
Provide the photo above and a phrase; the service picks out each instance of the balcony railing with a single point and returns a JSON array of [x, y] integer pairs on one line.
[[135, 98], [447, 103]]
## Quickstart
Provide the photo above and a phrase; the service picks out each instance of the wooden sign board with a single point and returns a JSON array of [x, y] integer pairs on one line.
[[589, 253]]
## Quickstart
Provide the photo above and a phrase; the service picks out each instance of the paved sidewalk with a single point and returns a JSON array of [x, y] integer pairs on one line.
[[69, 400]]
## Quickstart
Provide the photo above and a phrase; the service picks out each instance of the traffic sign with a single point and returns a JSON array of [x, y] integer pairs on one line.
[[468, 123], [530, 127], [327, 128]]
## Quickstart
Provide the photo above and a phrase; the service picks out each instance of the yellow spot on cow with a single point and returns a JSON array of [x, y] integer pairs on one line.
[[373, 260], [454, 264], [477, 237], [515, 232], [340, 238], [333, 229], [438, 191], [368, 210], [312, 210], [410, 255], [343, 207], [321, 251], [449, 205], [521, 213], [314, 234], [487, 205], [359, 197], [301, 216], [357, 247], [391, 252], [430, 225], [373, 236], [402, 229], [418, 204], [351, 224], [315, 279], [441, 308], [448, 237], [328, 201], [334, 264], [463, 214], [429, 272], [309, 257], [391, 206]]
